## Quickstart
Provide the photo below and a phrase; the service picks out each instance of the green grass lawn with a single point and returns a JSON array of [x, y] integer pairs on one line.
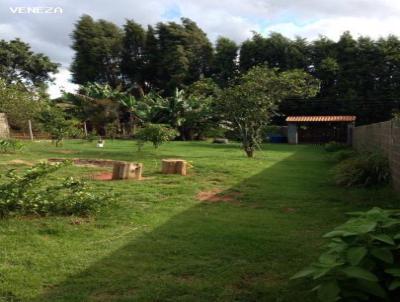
[[159, 243]]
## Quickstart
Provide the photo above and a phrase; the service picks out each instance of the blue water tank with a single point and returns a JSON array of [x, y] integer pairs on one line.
[[277, 139]]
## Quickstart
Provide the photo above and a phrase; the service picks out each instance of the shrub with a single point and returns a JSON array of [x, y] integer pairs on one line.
[[335, 146], [92, 136], [55, 122], [112, 130], [10, 146], [157, 134], [216, 132], [29, 194], [365, 169], [343, 154], [362, 260]]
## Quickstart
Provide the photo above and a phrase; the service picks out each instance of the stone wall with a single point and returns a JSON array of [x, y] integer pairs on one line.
[[4, 128], [385, 137]]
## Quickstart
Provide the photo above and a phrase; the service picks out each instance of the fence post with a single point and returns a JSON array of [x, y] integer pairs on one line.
[[85, 129], [30, 129]]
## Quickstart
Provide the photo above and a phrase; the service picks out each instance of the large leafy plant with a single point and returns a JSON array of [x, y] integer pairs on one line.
[[33, 192], [362, 260], [248, 106]]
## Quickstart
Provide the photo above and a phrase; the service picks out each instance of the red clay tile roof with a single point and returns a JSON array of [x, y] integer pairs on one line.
[[322, 118]]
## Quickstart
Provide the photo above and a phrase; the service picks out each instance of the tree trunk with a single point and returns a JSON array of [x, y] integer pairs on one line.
[[249, 153], [127, 170], [85, 129], [187, 134], [174, 166]]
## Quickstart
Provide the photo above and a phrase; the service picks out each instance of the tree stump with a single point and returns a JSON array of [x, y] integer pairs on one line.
[[127, 170], [174, 166]]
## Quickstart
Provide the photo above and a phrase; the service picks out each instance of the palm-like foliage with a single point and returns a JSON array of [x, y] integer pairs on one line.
[[176, 107], [130, 103]]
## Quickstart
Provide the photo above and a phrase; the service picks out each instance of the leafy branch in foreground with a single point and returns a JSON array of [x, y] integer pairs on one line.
[[361, 261], [30, 193]]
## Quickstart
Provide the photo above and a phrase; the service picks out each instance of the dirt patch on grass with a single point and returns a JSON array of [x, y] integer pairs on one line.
[[20, 162], [218, 195]]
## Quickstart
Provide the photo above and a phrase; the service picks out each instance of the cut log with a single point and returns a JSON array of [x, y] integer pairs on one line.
[[127, 170], [174, 166]]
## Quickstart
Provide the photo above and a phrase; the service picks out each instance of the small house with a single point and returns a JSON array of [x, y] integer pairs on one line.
[[320, 129]]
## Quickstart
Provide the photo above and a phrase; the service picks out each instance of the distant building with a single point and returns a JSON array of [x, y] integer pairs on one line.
[[320, 129]]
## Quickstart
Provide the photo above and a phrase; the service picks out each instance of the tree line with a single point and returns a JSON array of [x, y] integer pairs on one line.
[[172, 74], [354, 73]]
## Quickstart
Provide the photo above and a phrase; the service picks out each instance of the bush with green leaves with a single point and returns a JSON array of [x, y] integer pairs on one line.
[[364, 170], [10, 145], [157, 134], [344, 154], [34, 193], [112, 130], [55, 122], [361, 261], [92, 136], [335, 146]]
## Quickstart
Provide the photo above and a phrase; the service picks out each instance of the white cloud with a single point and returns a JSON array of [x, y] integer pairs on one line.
[[334, 27], [62, 83]]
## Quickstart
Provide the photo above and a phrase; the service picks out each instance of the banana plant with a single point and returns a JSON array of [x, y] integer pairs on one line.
[[130, 103]]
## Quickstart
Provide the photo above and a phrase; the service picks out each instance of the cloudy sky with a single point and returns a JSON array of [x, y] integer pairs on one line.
[[50, 33]]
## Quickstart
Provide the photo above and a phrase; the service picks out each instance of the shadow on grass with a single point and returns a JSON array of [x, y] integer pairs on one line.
[[224, 251]]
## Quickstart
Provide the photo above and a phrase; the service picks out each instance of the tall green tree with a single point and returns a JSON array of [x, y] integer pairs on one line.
[[252, 53], [274, 51], [249, 105], [346, 55], [152, 60], [98, 52], [133, 55], [19, 64], [389, 69], [225, 63], [19, 104], [200, 51], [185, 55]]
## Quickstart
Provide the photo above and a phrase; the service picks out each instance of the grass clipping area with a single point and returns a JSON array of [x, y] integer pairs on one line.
[[164, 239]]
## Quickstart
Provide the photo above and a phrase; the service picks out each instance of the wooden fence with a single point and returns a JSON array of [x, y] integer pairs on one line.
[[26, 135], [385, 137]]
